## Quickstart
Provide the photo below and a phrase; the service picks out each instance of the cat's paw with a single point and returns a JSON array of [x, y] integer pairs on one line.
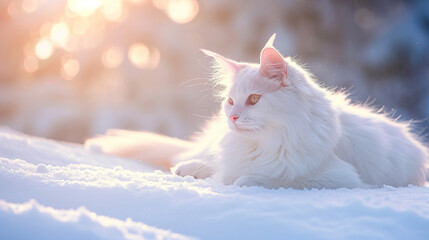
[[250, 180], [195, 168]]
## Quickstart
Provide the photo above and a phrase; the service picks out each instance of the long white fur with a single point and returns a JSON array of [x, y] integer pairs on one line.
[[298, 135], [304, 136], [150, 148]]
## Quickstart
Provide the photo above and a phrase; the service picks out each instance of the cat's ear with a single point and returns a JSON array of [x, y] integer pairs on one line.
[[270, 42], [223, 61], [272, 63]]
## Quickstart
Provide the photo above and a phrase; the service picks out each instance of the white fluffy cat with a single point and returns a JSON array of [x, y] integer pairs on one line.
[[278, 128]]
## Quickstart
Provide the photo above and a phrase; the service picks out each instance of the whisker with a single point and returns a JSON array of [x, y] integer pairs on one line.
[[201, 99], [205, 90], [208, 117], [194, 85], [205, 82]]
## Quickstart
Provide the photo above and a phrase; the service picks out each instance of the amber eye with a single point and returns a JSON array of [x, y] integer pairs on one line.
[[230, 101], [253, 99]]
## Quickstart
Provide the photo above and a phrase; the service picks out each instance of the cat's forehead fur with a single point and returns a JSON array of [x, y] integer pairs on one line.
[[249, 81]]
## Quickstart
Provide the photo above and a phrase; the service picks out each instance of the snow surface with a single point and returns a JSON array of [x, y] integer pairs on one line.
[[52, 190]]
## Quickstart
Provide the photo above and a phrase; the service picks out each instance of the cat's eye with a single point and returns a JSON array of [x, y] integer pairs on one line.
[[230, 101], [253, 99]]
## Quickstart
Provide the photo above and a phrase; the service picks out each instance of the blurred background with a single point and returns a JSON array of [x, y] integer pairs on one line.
[[70, 69]]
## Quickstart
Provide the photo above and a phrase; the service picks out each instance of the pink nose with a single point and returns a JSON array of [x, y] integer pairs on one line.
[[234, 117]]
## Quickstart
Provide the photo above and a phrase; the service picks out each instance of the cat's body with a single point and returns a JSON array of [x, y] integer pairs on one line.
[[278, 128], [322, 142]]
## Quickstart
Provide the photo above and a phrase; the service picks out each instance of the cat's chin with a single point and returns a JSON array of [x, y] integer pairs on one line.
[[241, 130]]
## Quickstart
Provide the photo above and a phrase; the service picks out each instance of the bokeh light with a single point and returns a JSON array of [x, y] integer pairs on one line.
[[161, 4], [139, 55], [31, 64], [45, 29], [60, 34], [29, 6], [80, 26], [112, 57], [182, 11], [144, 57], [154, 58], [70, 69], [44, 49], [94, 43], [13, 9], [112, 10], [83, 7]]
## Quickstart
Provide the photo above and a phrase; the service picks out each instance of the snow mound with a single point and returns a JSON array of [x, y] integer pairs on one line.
[[71, 224], [112, 198]]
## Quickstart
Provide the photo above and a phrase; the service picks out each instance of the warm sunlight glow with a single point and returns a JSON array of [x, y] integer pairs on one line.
[[154, 58], [60, 34], [112, 10], [182, 11], [139, 55], [13, 9], [44, 49], [160, 4], [29, 6], [144, 57], [31, 64], [112, 57], [80, 26], [70, 69], [137, 1], [83, 7], [45, 29]]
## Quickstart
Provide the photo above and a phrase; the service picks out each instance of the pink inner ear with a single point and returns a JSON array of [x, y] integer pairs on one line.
[[230, 64], [272, 63], [233, 65]]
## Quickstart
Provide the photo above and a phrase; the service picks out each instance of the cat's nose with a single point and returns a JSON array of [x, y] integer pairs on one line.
[[234, 117]]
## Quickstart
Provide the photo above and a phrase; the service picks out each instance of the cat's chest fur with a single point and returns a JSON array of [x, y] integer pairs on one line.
[[251, 156]]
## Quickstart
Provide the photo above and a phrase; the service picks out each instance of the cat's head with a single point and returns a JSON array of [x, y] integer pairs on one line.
[[257, 96]]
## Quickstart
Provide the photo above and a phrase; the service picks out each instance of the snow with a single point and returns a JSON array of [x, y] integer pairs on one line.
[[54, 190], [71, 224]]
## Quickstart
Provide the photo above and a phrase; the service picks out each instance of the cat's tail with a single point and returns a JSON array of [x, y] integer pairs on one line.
[[154, 149]]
